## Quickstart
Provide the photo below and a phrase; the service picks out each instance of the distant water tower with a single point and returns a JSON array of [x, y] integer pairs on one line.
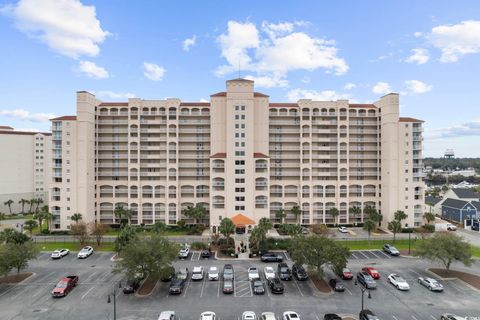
[[449, 154]]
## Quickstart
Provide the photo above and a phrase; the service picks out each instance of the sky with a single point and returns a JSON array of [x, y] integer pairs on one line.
[[427, 51]]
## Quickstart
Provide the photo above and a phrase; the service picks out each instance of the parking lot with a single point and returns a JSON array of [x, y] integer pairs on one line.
[[32, 300]]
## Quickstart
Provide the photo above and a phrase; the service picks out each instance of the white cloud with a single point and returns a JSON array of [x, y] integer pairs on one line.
[[115, 95], [456, 40], [275, 50], [153, 71], [268, 81], [91, 70], [326, 95], [306, 80], [417, 86], [189, 42], [471, 128], [418, 34], [27, 130], [66, 26], [419, 56], [349, 86], [381, 88], [25, 115]]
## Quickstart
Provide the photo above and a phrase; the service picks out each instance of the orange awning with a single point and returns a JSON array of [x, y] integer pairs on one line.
[[241, 220]]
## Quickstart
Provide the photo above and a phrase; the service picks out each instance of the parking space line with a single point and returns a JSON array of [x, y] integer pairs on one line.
[[362, 254], [413, 271], [433, 317], [287, 256], [413, 317], [394, 318], [218, 289], [349, 291], [375, 254], [352, 254], [203, 286], [298, 287], [186, 288], [88, 291], [317, 317], [386, 255]]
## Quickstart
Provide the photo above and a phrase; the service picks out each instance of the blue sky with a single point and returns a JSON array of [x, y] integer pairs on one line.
[[428, 51]]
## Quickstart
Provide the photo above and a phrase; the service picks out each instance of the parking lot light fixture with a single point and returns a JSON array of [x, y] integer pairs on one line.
[[114, 294], [369, 295]]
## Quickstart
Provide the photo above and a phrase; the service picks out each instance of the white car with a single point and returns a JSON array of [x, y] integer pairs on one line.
[[197, 273], [449, 316], [208, 315], [398, 282], [290, 315], [343, 229], [167, 315], [60, 253], [249, 315], [253, 273], [431, 284], [85, 252], [213, 274], [269, 272], [268, 316], [183, 253]]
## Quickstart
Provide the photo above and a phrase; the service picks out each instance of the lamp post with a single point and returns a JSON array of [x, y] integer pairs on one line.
[[363, 292], [114, 294]]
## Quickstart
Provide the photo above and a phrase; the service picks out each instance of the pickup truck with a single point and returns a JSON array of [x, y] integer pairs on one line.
[[64, 286]]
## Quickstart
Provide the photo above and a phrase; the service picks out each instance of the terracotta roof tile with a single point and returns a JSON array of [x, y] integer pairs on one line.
[[283, 105], [240, 79], [113, 104], [219, 155], [25, 133], [241, 220], [219, 94], [195, 104], [64, 118], [259, 155], [259, 94], [6, 128], [406, 119], [363, 105]]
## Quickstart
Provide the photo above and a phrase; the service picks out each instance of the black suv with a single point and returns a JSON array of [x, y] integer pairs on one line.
[[228, 273], [131, 286], [366, 314], [284, 271], [299, 273], [176, 286], [205, 254], [271, 257], [332, 316], [276, 286], [258, 287], [366, 280], [337, 285]]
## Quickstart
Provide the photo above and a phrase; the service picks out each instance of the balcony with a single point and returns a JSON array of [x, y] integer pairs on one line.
[[113, 122]]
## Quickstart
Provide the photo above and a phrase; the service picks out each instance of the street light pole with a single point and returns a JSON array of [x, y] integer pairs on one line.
[[114, 293], [363, 292], [409, 237]]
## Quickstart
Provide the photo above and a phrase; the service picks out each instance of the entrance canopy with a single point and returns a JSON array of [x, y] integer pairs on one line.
[[240, 220]]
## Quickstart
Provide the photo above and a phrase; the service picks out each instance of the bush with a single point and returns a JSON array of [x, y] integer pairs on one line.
[[320, 228], [277, 244], [45, 231], [407, 230], [199, 246], [223, 242], [196, 229], [429, 228], [60, 232]]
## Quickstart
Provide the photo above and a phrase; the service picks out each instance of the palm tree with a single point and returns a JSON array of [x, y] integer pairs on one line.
[[32, 202], [196, 213], [430, 217], [2, 217], [296, 212], [9, 204], [123, 214], [369, 226], [400, 215], [334, 213], [23, 202], [76, 217], [30, 225], [38, 202], [280, 214], [355, 211], [48, 218]]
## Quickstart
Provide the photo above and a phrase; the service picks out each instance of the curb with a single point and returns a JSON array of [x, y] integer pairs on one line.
[[33, 274], [452, 279], [148, 294]]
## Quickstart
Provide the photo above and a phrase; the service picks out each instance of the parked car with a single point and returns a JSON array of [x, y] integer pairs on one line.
[[182, 274], [205, 254], [305, 230], [332, 316], [228, 273], [391, 250], [366, 314], [398, 282], [197, 273], [184, 252], [228, 286], [177, 285], [449, 316], [276, 286], [347, 274], [269, 272], [131, 286], [85, 252], [337, 285], [60, 253], [372, 271], [249, 315], [299, 272], [268, 316], [64, 286], [343, 229], [208, 315], [167, 315], [451, 227], [431, 284], [258, 287], [284, 271], [253, 273], [271, 257], [290, 315], [169, 274], [366, 280], [213, 274]]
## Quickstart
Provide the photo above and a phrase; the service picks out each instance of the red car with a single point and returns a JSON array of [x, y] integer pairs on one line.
[[347, 274], [372, 272], [64, 286]]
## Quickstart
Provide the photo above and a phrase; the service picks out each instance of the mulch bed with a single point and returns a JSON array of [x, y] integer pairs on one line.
[[404, 252], [469, 278], [320, 284], [380, 231], [14, 278], [147, 286]]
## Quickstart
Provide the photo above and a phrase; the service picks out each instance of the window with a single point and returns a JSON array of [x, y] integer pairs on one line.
[[237, 126], [242, 135], [243, 108], [243, 126], [240, 208], [243, 117], [239, 198], [239, 189], [237, 117], [240, 171], [237, 135], [240, 153], [237, 108], [240, 162], [239, 180]]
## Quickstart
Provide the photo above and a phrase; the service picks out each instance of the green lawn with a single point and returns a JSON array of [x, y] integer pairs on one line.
[[20, 216], [149, 233], [73, 246]]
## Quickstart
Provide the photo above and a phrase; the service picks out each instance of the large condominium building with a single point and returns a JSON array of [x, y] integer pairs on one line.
[[24, 168], [238, 155]]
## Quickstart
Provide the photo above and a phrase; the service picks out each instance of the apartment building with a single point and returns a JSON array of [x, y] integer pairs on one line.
[[238, 154], [24, 167]]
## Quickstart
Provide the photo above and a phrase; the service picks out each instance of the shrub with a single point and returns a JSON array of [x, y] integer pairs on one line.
[[320, 228], [196, 229], [277, 244], [407, 230], [429, 228], [199, 246], [223, 242], [60, 232], [45, 231]]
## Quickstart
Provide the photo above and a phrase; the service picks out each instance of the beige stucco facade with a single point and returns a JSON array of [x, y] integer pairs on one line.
[[237, 154]]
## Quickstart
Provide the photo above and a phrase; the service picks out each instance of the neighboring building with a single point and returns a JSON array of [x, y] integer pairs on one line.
[[465, 184], [24, 167], [462, 194], [237, 154], [470, 172], [459, 210], [435, 203]]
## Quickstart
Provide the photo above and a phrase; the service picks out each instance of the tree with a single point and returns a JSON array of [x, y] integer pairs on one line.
[[320, 229], [369, 226], [5, 266], [9, 204], [147, 257], [430, 217], [30, 225], [22, 202], [280, 214], [159, 227], [38, 202], [48, 216], [10, 235], [19, 255], [80, 232], [227, 228], [127, 234], [97, 230], [399, 215], [296, 211], [444, 188], [334, 213], [40, 216], [395, 226], [264, 224], [76, 217], [122, 214], [196, 213], [32, 202], [355, 211], [2, 217], [372, 214], [445, 247]]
